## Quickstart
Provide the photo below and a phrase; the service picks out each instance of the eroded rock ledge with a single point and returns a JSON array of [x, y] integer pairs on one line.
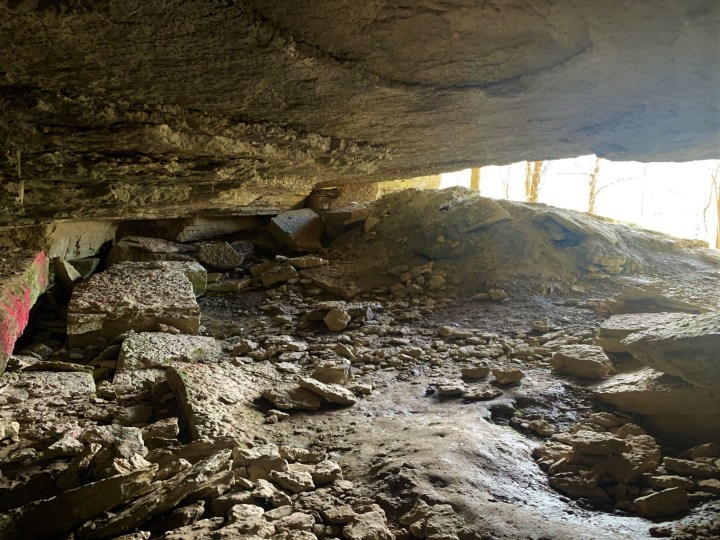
[[133, 108]]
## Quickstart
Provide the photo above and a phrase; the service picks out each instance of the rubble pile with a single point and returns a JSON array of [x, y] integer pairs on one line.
[[613, 462], [243, 387]]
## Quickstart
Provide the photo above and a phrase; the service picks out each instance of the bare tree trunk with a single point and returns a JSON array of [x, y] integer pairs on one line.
[[533, 178], [593, 184], [714, 194], [475, 179]]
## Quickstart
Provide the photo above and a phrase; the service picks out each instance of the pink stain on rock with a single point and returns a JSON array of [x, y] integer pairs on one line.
[[15, 315], [16, 300]]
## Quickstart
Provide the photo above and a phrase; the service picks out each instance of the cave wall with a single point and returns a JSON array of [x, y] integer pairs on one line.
[[148, 108]]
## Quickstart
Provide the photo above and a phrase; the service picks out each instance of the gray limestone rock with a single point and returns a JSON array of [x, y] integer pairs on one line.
[[299, 230], [582, 361], [334, 393], [686, 347], [131, 296]]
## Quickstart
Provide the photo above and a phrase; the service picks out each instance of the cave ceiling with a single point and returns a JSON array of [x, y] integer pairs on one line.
[[163, 108]]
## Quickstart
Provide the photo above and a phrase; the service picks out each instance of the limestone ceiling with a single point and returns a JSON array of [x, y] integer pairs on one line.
[[149, 107]]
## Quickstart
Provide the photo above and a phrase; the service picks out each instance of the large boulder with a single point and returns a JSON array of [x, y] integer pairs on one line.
[[670, 407], [132, 296], [618, 327], [299, 230], [688, 347]]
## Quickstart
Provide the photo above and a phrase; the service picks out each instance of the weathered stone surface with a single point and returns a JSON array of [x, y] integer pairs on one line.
[[164, 496], [23, 277], [278, 274], [68, 384], [508, 375], [146, 350], [663, 503], [47, 518], [66, 275], [218, 255], [132, 296], [326, 119], [582, 361], [368, 526], [292, 397], [334, 393], [593, 443], [687, 347], [215, 400], [618, 327], [148, 249], [299, 230], [670, 406], [336, 319]]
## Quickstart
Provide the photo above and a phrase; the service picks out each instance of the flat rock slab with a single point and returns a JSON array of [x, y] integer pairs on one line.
[[292, 398], [165, 495], [334, 393], [299, 230], [582, 361], [158, 350], [23, 278], [45, 384], [132, 296], [48, 518], [618, 327], [215, 400], [688, 347], [670, 406]]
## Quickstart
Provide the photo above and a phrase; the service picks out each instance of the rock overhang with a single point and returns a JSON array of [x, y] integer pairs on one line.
[[155, 108]]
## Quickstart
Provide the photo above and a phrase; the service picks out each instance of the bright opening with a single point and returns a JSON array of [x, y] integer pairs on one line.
[[680, 199]]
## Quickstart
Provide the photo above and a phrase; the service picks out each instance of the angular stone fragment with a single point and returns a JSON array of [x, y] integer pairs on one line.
[[215, 400], [368, 526], [339, 515], [299, 230], [663, 503], [131, 296], [146, 350], [582, 361], [334, 393], [686, 347], [294, 481], [613, 330], [692, 468], [508, 376], [475, 372], [326, 472], [292, 397], [218, 255], [65, 275], [333, 372], [74, 507], [163, 497], [278, 274], [593, 443], [336, 320]]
